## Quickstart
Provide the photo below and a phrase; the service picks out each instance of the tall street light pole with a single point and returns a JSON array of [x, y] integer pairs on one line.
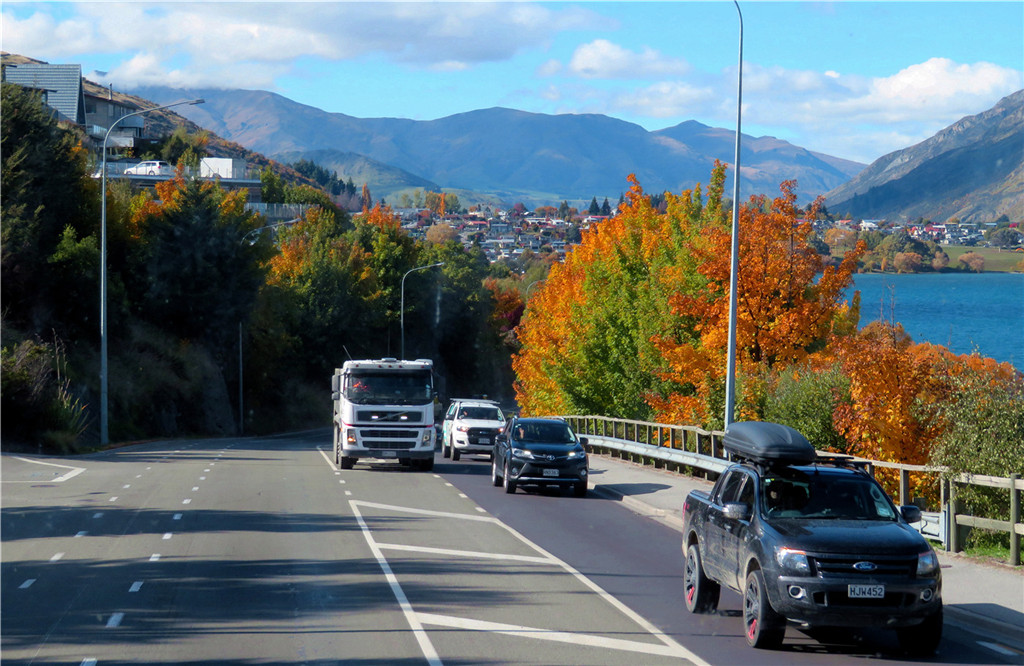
[[104, 432], [402, 306], [730, 374]]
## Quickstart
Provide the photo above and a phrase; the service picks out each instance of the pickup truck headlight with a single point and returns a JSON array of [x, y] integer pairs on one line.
[[522, 453], [927, 564], [793, 560]]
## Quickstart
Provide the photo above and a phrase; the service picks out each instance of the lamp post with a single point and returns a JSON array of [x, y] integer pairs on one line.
[[402, 306], [730, 373], [104, 433]]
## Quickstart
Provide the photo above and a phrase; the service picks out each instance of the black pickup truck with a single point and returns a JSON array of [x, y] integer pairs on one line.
[[809, 539]]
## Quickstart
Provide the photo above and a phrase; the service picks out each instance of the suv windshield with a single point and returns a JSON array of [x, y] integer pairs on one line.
[[800, 495], [548, 433]]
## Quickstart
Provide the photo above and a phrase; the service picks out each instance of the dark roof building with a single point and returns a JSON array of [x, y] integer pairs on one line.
[[61, 86]]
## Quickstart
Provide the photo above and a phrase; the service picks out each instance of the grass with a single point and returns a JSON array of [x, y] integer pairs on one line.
[[996, 260]]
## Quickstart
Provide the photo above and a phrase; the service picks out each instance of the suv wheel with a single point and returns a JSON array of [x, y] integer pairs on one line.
[[495, 477], [509, 484], [579, 489]]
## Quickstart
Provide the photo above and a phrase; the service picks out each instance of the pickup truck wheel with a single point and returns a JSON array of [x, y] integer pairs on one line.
[[347, 462], [456, 454], [922, 640], [701, 592], [510, 485], [495, 477], [446, 450], [765, 628]]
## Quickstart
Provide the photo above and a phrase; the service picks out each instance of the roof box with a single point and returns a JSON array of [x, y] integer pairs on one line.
[[764, 442]]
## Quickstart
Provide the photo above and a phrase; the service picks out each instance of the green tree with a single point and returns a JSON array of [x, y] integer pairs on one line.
[[594, 208]]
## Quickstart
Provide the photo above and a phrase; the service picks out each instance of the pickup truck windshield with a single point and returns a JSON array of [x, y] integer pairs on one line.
[[818, 496], [481, 413], [394, 388]]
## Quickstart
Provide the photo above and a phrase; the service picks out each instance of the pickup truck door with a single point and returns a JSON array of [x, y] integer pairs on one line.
[[734, 536], [715, 528]]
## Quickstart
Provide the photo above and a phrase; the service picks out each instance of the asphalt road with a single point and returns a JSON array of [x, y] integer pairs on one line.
[[261, 551]]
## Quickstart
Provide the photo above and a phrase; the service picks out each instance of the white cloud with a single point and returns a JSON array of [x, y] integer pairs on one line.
[[602, 59]]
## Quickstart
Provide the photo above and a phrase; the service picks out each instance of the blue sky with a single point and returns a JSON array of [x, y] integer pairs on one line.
[[851, 79]]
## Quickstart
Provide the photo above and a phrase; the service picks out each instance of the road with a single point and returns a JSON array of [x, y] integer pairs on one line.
[[240, 551]]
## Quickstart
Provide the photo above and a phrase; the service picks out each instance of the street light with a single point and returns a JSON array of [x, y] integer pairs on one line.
[[104, 436], [730, 373], [402, 306]]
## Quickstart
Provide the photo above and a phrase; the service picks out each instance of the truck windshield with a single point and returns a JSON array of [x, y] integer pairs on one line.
[[820, 496], [394, 388]]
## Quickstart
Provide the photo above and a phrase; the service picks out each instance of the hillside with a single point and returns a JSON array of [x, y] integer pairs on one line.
[[515, 155], [973, 170]]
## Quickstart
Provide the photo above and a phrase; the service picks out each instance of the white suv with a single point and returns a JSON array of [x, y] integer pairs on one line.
[[470, 426], [150, 168]]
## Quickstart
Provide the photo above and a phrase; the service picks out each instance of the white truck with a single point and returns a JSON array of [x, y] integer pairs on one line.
[[384, 409]]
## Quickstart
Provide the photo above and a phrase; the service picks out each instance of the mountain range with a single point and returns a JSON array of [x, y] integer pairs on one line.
[[506, 154], [972, 170]]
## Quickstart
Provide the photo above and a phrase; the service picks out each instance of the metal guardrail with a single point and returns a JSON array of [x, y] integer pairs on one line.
[[694, 448]]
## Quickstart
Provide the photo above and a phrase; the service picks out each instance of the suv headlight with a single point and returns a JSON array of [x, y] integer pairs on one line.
[[577, 453], [793, 560], [522, 453], [927, 564]]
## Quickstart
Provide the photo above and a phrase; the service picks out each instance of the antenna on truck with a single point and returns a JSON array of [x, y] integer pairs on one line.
[[347, 353]]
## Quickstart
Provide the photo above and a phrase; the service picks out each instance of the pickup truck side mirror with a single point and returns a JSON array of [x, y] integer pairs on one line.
[[737, 511], [911, 513]]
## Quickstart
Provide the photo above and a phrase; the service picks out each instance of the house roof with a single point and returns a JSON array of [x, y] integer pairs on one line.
[[62, 83]]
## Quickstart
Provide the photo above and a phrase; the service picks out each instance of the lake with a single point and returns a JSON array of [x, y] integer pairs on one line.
[[974, 312]]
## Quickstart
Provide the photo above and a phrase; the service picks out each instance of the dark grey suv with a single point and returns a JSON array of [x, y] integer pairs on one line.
[[539, 452]]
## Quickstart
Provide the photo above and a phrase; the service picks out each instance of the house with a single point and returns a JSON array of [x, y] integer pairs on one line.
[[60, 85]]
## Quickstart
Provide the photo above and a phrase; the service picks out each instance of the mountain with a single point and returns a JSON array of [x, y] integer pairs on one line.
[[973, 170], [514, 155]]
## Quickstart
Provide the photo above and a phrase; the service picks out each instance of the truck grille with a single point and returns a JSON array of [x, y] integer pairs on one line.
[[843, 565], [379, 434], [478, 434]]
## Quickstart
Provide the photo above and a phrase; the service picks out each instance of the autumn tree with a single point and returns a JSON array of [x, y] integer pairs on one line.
[[441, 233], [972, 261]]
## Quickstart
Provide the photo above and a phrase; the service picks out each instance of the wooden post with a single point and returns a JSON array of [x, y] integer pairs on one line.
[[1014, 519], [954, 537], [904, 485]]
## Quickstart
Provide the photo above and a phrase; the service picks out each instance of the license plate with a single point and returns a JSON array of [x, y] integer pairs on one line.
[[388, 454], [483, 440], [866, 591], [551, 472]]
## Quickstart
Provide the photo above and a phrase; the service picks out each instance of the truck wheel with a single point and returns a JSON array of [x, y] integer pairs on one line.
[[427, 464], [510, 485], [446, 449], [495, 477], [347, 462], [922, 640], [701, 593], [765, 628], [456, 454]]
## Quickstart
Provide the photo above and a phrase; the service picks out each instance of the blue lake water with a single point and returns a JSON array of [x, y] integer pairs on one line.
[[966, 313]]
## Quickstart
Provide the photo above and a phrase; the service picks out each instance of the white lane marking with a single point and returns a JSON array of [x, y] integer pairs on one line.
[[88, 661], [126, 486], [27, 584], [348, 493], [155, 557], [168, 535], [589, 640], [81, 534], [138, 476], [195, 488], [480, 509], [114, 498], [426, 647], [115, 620], [463, 495], [150, 467], [186, 501], [466, 553], [998, 649], [56, 557], [74, 471], [177, 516], [207, 469], [136, 586], [448, 484], [202, 478], [328, 459], [670, 644]]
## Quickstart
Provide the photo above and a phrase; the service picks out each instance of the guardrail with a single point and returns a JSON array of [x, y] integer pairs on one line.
[[698, 452]]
